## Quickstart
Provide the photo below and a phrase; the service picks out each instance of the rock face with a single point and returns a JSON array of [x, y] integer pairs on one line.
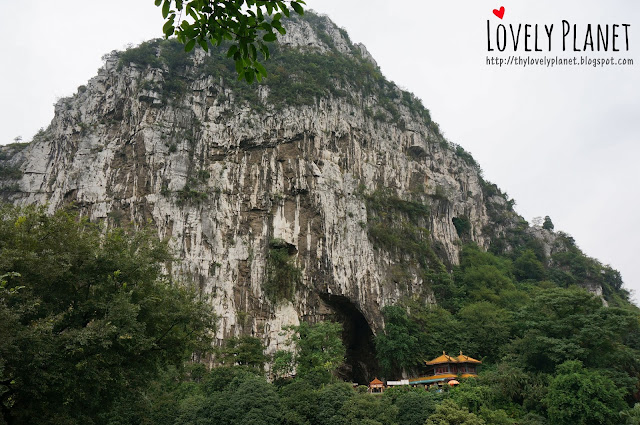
[[230, 181]]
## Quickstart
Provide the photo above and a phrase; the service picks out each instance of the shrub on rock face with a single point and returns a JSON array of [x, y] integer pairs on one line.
[[283, 276]]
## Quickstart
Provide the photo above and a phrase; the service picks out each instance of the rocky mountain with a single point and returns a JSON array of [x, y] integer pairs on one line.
[[323, 192]]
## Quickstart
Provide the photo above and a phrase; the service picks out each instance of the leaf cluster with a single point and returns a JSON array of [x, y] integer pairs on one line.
[[248, 24]]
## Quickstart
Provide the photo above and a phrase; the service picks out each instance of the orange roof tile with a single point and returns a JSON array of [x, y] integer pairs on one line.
[[376, 381]]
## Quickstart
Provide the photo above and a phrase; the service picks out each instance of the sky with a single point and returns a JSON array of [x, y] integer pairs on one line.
[[563, 141]]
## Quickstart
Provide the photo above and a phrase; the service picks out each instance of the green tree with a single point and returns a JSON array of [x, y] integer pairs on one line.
[[449, 413], [330, 399], [307, 404], [319, 348], [495, 417], [510, 383], [247, 399], [528, 267], [631, 416], [472, 394], [248, 24], [414, 404], [86, 317], [282, 364], [396, 347], [482, 275], [572, 324], [365, 409], [282, 274], [485, 329], [548, 224], [301, 400], [581, 396], [251, 401], [161, 401], [435, 325], [245, 351]]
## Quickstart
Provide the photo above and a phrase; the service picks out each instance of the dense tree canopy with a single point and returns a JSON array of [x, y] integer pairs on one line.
[[86, 317], [243, 351], [580, 396], [397, 345], [528, 331], [319, 349], [93, 332], [449, 413]]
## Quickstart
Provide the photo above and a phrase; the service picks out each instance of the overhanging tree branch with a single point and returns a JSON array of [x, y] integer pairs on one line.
[[248, 24]]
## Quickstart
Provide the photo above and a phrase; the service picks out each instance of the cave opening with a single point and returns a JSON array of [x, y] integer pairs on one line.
[[361, 365]]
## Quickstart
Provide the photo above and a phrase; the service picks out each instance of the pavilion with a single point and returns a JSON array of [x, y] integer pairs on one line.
[[446, 368]]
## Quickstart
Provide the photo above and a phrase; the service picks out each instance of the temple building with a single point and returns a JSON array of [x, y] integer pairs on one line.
[[376, 386], [448, 368]]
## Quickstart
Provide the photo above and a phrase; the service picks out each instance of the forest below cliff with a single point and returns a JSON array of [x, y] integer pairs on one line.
[[94, 332]]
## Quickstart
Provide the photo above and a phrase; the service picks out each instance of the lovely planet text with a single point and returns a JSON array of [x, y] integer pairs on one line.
[[569, 36]]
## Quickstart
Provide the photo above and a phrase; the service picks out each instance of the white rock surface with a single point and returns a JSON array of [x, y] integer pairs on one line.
[[295, 174]]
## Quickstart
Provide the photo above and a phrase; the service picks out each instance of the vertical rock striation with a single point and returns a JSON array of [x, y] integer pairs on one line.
[[231, 173]]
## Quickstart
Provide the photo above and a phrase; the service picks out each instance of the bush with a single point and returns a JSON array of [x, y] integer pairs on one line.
[[189, 195], [463, 227], [143, 55], [282, 275], [10, 172]]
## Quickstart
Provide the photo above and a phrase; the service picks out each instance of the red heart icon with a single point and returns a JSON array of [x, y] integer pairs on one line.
[[499, 13]]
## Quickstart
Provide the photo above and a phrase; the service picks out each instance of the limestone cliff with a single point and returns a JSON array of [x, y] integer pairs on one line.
[[345, 173]]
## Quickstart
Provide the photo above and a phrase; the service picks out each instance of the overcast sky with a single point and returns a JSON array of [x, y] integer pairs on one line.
[[561, 141]]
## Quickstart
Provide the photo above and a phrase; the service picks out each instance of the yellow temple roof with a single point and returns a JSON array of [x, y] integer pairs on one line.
[[445, 358], [466, 359]]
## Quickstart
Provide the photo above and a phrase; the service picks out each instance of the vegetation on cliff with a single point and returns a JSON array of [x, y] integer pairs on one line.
[[296, 77]]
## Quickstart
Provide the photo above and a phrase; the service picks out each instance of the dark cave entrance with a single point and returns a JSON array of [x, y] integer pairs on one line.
[[361, 365]]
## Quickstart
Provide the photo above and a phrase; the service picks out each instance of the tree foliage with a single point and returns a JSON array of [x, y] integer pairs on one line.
[[449, 413], [319, 348], [484, 329], [414, 405], [397, 346], [244, 351], [572, 324], [282, 275], [580, 396], [524, 328], [86, 317], [528, 267], [249, 24]]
